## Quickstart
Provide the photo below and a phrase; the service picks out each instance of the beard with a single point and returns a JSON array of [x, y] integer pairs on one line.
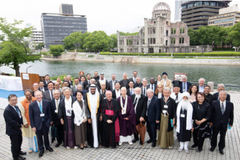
[[138, 95], [185, 104]]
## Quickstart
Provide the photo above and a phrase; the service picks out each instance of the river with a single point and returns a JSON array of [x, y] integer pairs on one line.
[[229, 75]]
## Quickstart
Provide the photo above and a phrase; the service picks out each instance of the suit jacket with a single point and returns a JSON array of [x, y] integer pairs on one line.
[[168, 83], [210, 98], [110, 85], [55, 118], [153, 110], [86, 84], [83, 91], [131, 79], [99, 86], [154, 85], [45, 89], [217, 94], [34, 114], [218, 118], [141, 107], [13, 122], [124, 83], [46, 95], [128, 92], [74, 88], [188, 86], [45, 85], [114, 94], [145, 91], [137, 85]]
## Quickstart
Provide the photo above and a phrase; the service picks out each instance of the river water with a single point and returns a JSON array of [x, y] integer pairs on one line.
[[229, 75]]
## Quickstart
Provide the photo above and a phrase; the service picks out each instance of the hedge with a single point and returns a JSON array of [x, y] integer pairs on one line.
[[175, 54]]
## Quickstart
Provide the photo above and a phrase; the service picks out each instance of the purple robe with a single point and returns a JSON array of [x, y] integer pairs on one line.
[[127, 127]]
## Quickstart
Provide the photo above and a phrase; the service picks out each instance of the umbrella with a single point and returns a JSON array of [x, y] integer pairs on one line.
[[141, 128]]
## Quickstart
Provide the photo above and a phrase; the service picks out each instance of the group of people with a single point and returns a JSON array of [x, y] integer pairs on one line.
[[92, 111]]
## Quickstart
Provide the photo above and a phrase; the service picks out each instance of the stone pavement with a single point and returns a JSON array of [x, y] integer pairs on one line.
[[125, 152]]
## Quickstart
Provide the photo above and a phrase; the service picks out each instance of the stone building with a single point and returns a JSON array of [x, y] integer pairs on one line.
[[158, 35]]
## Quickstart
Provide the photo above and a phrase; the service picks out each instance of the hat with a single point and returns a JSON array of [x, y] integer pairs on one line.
[[164, 73], [176, 83], [93, 86], [185, 94]]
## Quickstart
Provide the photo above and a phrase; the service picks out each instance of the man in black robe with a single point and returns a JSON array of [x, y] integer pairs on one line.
[[109, 109], [124, 82], [209, 97]]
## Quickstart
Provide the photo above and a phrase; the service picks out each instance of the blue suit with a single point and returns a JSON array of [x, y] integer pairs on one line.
[[42, 126], [152, 116], [187, 87]]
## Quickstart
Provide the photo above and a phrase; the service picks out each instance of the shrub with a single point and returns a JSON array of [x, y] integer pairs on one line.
[[56, 50]]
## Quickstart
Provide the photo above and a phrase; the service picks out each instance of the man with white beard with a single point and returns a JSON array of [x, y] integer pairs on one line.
[[184, 125], [165, 82]]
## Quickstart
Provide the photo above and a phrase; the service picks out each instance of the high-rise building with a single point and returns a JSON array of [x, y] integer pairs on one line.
[[227, 17], [66, 9], [195, 13], [56, 27], [178, 9]]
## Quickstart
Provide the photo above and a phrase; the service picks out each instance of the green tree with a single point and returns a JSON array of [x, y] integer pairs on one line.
[[56, 50], [14, 50], [193, 34], [39, 46], [113, 41], [234, 35], [75, 40], [97, 41]]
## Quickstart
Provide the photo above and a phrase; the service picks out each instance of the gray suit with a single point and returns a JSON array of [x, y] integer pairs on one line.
[[46, 95], [110, 85]]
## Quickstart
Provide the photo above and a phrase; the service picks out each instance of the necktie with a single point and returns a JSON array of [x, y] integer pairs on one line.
[[184, 86], [134, 102], [40, 107], [57, 106], [130, 91], [51, 95], [148, 103], [144, 91], [222, 109], [18, 113], [176, 97], [152, 86]]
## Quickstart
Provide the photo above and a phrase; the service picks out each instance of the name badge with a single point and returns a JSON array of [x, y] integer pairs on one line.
[[166, 106], [183, 115], [164, 112], [42, 115], [56, 111]]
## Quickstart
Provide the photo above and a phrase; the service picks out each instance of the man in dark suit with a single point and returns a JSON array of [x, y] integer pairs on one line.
[[54, 103], [152, 110], [130, 90], [124, 82], [138, 82], [102, 80], [112, 82], [48, 95], [140, 107], [87, 82], [134, 78], [14, 124], [209, 97], [152, 84], [74, 87], [46, 80], [41, 119], [221, 87], [41, 87], [185, 85], [222, 117], [80, 88], [117, 91], [144, 86], [96, 76]]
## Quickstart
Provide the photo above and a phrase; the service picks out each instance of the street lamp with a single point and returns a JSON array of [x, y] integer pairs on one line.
[[202, 48], [27, 68]]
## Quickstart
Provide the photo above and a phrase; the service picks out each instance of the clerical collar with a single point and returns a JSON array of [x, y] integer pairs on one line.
[[166, 98]]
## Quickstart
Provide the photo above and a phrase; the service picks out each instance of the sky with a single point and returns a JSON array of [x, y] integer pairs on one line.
[[106, 15]]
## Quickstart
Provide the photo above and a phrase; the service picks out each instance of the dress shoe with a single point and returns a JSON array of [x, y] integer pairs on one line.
[[49, 149], [154, 145], [221, 152], [141, 143], [135, 140], [58, 144], [40, 154], [149, 141], [212, 149], [19, 158], [194, 146], [53, 139], [22, 153], [199, 150]]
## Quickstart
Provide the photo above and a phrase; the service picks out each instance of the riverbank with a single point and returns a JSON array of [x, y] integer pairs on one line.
[[150, 60]]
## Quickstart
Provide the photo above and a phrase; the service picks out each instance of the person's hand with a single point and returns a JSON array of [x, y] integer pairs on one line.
[[192, 129], [89, 121], [100, 118], [197, 122], [157, 121], [141, 119], [51, 122], [211, 124], [175, 127], [109, 121], [126, 119], [62, 122], [173, 123], [34, 129], [84, 120], [21, 126], [26, 126]]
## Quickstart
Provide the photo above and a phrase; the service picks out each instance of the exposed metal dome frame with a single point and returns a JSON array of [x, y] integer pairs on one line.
[[161, 6]]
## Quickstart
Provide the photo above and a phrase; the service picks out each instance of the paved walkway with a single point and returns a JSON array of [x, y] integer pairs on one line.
[[125, 152]]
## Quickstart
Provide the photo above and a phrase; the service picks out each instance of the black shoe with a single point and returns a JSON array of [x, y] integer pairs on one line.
[[199, 150], [49, 149], [135, 140], [221, 152], [194, 146], [154, 145], [212, 149], [40, 154], [22, 153], [149, 141], [85, 146], [58, 144], [21, 158], [53, 139], [141, 142]]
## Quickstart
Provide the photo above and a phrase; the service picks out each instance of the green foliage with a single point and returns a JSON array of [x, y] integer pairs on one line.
[[14, 50], [113, 41], [128, 34], [39, 46], [56, 50], [75, 40], [234, 35], [61, 77], [90, 56]]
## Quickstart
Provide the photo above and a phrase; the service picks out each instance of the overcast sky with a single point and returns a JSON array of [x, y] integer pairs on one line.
[[106, 15]]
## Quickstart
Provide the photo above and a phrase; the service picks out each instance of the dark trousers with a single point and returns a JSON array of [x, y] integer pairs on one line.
[[40, 133], [60, 133], [151, 129], [221, 144], [198, 139], [16, 142]]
